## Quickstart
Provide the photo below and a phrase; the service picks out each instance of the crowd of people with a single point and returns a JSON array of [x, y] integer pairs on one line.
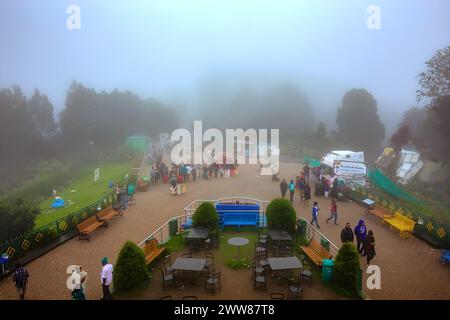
[[365, 240], [186, 172]]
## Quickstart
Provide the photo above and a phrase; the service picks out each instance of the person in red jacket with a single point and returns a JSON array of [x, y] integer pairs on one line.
[[333, 211]]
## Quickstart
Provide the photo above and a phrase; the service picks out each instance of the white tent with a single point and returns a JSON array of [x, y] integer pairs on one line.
[[329, 158]]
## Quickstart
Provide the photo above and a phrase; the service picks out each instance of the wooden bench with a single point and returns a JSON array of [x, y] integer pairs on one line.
[[379, 211], [401, 223], [109, 213], [316, 252], [88, 226], [152, 250]]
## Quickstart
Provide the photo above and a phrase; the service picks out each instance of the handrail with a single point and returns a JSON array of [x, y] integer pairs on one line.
[[316, 231]]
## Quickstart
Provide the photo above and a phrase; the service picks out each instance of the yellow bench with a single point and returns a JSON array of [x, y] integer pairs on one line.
[[152, 250], [401, 223], [316, 252]]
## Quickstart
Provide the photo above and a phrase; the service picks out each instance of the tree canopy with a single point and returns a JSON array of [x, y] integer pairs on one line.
[[359, 123]]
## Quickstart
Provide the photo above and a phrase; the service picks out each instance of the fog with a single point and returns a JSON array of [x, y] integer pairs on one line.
[[178, 51]]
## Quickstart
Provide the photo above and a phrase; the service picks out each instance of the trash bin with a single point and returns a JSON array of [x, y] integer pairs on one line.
[[131, 189], [173, 227], [327, 270], [301, 227]]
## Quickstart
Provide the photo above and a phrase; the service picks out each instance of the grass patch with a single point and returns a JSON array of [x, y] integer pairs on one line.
[[175, 244], [86, 191]]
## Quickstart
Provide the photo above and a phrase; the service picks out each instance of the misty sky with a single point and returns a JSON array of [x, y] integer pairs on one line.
[[168, 49]]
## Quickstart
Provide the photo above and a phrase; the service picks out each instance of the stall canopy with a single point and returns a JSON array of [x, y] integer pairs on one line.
[[329, 158], [311, 162]]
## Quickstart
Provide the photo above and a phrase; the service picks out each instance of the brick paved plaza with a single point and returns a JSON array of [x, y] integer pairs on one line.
[[409, 267]]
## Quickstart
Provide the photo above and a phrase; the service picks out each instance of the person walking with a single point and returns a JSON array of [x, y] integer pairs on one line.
[[369, 247], [315, 214], [194, 173], [20, 277], [307, 171], [333, 211], [307, 195], [360, 233], [292, 190], [106, 278], [283, 188], [347, 234]]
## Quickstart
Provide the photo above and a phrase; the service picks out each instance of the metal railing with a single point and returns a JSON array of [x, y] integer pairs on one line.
[[162, 234], [314, 234]]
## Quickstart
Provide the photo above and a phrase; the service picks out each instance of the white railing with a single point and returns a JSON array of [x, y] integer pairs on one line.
[[162, 234], [314, 233]]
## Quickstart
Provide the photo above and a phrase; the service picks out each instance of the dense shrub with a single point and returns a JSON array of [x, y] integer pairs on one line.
[[281, 215], [130, 270], [16, 219], [346, 268], [205, 216]]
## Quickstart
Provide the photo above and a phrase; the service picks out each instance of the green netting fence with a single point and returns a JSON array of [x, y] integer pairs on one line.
[[426, 226], [391, 188]]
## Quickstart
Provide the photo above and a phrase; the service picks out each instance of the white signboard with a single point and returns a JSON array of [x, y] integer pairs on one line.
[[96, 174], [350, 170]]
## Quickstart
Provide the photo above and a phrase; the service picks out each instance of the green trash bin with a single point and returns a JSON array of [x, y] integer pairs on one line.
[[131, 189], [173, 227], [327, 270], [301, 227]]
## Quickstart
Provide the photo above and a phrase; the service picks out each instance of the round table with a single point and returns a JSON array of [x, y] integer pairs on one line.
[[238, 242]]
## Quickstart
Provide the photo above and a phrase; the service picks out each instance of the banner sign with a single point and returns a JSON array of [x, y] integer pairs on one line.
[[350, 170]]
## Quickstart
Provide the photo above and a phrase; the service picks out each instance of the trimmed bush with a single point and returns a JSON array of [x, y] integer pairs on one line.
[[281, 215], [205, 216], [346, 268], [130, 270]]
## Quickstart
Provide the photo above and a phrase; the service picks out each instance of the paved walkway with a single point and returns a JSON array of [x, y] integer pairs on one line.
[[410, 269]]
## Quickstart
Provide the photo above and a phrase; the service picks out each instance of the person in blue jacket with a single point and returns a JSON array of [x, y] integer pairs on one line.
[[315, 214], [360, 233], [291, 190]]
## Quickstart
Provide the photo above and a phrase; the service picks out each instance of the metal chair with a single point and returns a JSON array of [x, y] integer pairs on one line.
[[187, 255], [166, 264], [277, 296], [167, 278], [213, 282], [259, 280], [306, 274], [209, 266], [294, 290], [256, 268]]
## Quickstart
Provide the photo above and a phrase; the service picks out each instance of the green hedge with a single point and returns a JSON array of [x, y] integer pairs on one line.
[[281, 215], [205, 216], [131, 270]]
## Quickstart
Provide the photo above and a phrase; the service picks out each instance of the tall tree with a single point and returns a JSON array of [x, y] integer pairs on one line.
[[435, 88], [42, 111], [19, 141], [359, 123], [414, 118]]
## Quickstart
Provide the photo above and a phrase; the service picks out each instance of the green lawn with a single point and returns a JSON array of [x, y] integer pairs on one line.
[[83, 191]]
